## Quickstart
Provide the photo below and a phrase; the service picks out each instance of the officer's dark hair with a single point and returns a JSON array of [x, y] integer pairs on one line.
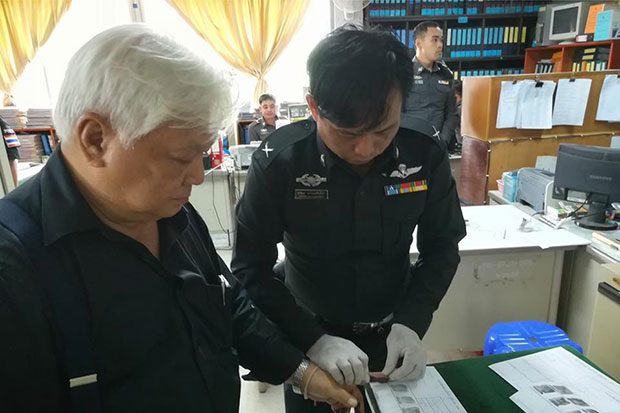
[[264, 97], [352, 73], [420, 30], [458, 87]]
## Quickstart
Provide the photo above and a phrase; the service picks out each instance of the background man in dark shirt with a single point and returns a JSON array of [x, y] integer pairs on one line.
[[263, 126], [136, 112], [431, 96], [343, 193]]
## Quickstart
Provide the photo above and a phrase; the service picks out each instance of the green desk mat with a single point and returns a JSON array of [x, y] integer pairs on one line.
[[480, 389]]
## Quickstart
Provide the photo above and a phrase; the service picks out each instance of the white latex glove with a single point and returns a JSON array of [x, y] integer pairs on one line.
[[404, 342], [341, 358]]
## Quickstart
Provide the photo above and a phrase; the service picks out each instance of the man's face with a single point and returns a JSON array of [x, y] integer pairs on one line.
[[153, 179], [355, 146], [268, 109], [430, 46]]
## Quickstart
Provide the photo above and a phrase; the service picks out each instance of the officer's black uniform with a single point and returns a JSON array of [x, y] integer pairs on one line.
[[347, 237], [432, 98], [259, 129], [167, 336]]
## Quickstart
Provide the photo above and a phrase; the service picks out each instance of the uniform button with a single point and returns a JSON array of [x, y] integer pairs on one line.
[[362, 193]]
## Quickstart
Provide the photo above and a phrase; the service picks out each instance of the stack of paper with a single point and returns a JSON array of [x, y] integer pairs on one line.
[[526, 105], [557, 381], [40, 118], [9, 115], [608, 107], [430, 394]]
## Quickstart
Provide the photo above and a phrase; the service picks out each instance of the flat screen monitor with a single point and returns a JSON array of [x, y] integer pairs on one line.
[[566, 21], [590, 175]]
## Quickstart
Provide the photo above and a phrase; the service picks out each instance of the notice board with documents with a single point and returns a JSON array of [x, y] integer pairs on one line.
[[507, 122]]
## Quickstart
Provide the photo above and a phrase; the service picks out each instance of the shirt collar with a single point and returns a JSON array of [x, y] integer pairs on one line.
[[65, 211], [419, 68]]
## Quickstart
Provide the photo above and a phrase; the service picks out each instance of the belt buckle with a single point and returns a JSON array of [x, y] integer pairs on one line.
[[364, 328]]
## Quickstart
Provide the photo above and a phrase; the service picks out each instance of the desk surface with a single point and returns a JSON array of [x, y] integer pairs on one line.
[[480, 389], [493, 228]]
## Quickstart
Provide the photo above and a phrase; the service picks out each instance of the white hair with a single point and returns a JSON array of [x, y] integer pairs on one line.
[[139, 80]]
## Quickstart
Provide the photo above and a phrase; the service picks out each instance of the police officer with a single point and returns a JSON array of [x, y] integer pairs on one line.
[[263, 126], [431, 96], [343, 193]]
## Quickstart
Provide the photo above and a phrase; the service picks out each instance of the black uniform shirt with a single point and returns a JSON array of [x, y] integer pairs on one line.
[[432, 98], [347, 238], [164, 338], [259, 129]]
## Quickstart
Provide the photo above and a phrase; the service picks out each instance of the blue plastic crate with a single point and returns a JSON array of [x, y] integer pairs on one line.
[[525, 335]]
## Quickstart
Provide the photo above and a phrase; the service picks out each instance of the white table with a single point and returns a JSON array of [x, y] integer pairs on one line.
[[505, 275]]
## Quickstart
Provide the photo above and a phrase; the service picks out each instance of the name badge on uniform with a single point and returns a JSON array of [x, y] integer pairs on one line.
[[444, 82], [417, 77], [399, 189], [311, 194]]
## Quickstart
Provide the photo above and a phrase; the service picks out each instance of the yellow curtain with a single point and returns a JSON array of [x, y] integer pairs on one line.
[[249, 34], [25, 25]]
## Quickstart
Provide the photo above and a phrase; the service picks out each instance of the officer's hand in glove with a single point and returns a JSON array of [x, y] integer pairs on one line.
[[341, 358], [318, 385], [403, 342]]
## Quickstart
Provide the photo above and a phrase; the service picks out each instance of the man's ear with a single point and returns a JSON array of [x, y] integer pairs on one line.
[[93, 136], [314, 108]]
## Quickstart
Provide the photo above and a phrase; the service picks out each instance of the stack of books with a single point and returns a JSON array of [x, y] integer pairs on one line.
[[487, 72], [31, 149], [591, 59], [544, 66], [40, 118]]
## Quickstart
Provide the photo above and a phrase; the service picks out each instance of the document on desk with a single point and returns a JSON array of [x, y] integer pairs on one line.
[[535, 105], [508, 107], [608, 107], [557, 381], [571, 100], [430, 394]]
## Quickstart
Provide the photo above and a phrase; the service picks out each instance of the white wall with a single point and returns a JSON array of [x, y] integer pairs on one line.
[[85, 18]]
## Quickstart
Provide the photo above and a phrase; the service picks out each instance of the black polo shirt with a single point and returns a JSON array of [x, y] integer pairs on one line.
[[347, 237], [165, 338]]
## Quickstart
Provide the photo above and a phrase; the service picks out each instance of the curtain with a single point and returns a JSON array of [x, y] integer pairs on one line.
[[249, 34], [25, 25]]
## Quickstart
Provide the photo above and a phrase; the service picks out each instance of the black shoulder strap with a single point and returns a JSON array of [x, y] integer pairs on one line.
[[69, 306]]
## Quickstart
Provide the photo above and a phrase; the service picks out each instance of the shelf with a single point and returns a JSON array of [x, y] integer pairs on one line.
[[485, 58], [571, 45], [403, 19]]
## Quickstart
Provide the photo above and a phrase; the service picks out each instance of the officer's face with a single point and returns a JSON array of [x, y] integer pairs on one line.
[[356, 146], [431, 45], [268, 109]]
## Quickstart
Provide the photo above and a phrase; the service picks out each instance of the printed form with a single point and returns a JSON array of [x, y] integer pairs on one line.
[[557, 381], [430, 394]]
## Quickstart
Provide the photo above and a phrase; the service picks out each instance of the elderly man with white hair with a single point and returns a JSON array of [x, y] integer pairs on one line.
[[112, 296]]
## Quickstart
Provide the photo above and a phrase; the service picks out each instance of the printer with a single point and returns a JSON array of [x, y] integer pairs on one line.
[[242, 154], [533, 185]]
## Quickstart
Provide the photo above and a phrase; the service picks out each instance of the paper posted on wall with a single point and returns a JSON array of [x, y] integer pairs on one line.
[[430, 394]]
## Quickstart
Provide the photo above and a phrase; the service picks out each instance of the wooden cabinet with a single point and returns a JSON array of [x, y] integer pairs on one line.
[[488, 151]]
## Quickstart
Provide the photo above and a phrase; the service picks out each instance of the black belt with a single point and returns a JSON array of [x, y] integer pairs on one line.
[[360, 327]]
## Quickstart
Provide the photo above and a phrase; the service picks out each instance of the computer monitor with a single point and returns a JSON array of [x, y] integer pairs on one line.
[[567, 21], [590, 175]]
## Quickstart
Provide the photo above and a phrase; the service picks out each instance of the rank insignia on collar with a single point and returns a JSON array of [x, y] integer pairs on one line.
[[311, 180], [399, 189], [402, 171]]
